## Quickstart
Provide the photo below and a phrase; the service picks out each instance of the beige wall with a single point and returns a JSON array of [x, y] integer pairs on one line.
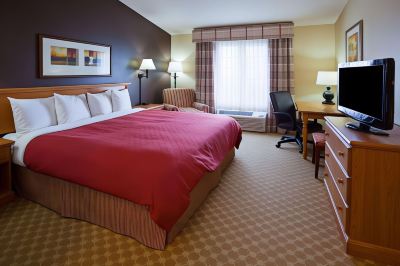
[[381, 22], [314, 50], [183, 50]]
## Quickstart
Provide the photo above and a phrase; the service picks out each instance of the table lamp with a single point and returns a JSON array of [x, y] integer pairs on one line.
[[147, 64], [327, 78], [174, 68]]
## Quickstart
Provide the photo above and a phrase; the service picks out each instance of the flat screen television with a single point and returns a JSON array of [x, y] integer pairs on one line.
[[366, 94]]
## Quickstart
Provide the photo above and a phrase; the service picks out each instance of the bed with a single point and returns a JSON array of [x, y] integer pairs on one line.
[[138, 173]]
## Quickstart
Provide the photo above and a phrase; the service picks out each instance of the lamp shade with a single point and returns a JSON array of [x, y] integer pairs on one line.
[[174, 67], [327, 78], [147, 64]]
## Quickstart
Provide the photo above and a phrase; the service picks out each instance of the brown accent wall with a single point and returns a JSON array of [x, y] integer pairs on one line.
[[101, 21]]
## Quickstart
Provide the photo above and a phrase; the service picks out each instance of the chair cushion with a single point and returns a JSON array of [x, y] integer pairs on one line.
[[288, 125], [189, 109], [319, 139], [170, 107]]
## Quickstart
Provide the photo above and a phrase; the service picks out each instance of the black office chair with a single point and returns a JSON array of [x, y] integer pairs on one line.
[[285, 114]]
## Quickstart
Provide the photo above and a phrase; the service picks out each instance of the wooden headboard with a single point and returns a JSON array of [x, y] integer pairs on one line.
[[6, 117]]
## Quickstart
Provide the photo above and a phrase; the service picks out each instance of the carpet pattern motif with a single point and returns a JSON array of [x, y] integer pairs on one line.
[[268, 210]]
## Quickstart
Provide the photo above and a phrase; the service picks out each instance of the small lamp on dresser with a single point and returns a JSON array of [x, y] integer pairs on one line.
[[147, 64], [327, 78], [175, 68]]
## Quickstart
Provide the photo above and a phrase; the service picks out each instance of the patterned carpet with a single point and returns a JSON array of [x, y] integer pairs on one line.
[[268, 210]]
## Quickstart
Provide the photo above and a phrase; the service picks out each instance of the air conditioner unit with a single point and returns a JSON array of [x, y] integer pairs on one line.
[[248, 120]]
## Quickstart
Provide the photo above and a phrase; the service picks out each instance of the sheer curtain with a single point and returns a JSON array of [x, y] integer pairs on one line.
[[241, 75]]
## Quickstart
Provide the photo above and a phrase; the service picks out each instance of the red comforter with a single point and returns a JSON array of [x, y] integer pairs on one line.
[[154, 158]]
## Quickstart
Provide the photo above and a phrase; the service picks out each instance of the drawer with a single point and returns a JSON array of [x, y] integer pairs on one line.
[[340, 177], [338, 204], [4, 154], [340, 149]]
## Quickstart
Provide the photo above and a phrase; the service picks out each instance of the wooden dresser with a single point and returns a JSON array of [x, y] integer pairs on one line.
[[362, 177]]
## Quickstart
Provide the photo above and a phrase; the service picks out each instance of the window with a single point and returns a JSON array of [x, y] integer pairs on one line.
[[241, 75]]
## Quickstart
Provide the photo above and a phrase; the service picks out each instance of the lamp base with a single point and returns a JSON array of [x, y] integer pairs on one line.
[[328, 96]]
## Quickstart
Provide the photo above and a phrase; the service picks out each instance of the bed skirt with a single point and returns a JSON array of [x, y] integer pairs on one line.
[[119, 215]]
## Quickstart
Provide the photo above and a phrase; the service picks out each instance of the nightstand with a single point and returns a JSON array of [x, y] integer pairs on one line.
[[6, 193], [151, 106]]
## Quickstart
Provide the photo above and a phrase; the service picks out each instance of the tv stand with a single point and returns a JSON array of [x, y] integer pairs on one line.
[[366, 128]]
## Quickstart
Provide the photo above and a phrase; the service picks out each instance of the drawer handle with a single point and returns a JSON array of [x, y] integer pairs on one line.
[[339, 208], [326, 174], [340, 180], [341, 153], [327, 134], [326, 155]]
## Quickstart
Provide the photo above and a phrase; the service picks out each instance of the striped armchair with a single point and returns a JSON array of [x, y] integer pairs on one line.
[[183, 100]]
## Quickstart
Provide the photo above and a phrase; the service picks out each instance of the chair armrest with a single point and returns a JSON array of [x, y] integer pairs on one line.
[[202, 107], [170, 107]]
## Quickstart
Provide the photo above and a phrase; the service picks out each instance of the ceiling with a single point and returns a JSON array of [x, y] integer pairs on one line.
[[181, 16]]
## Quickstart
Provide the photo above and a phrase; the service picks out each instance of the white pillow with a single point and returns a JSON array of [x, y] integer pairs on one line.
[[100, 103], [70, 108], [32, 114], [121, 100]]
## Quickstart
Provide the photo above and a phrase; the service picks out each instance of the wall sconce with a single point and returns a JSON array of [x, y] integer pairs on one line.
[[174, 68], [147, 64]]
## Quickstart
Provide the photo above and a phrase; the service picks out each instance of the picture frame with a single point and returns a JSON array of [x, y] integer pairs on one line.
[[354, 42], [63, 57]]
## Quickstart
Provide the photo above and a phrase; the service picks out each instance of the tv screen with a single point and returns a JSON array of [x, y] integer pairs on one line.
[[361, 89], [366, 92]]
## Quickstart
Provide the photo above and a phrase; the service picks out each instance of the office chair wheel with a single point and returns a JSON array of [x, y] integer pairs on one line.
[[278, 145]]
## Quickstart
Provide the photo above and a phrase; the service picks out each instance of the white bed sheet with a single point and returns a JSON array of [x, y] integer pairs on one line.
[[11, 136], [21, 141]]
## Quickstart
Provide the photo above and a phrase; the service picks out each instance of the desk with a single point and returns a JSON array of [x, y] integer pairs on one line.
[[314, 110]]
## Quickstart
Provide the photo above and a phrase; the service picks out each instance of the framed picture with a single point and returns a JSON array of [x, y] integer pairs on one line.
[[354, 42], [61, 57]]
